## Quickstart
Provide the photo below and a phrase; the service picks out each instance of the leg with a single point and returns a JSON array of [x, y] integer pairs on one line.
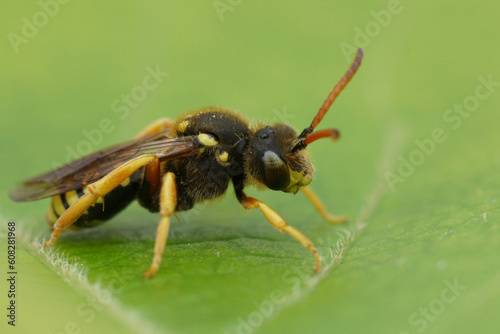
[[168, 202], [277, 221], [156, 126], [96, 190], [321, 208]]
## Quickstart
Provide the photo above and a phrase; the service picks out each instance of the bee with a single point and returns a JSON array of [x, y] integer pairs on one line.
[[172, 165]]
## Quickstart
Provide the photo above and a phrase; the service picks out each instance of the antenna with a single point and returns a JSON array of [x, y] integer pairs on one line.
[[307, 136]]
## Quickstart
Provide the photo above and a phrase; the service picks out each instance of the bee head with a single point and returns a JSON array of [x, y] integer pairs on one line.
[[274, 163]]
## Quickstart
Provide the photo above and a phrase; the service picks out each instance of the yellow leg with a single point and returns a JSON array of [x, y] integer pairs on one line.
[[321, 208], [156, 126], [98, 189], [168, 202], [277, 221]]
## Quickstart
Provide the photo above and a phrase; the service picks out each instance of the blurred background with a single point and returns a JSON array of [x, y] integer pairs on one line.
[[416, 169]]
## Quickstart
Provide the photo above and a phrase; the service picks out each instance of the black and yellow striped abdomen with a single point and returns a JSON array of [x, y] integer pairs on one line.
[[105, 207]]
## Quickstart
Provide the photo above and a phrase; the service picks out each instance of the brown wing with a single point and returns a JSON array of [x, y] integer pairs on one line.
[[91, 168]]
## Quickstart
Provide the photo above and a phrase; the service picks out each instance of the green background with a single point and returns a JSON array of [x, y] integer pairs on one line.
[[224, 266]]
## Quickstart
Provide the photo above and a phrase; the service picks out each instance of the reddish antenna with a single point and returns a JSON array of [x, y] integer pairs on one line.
[[307, 137], [325, 133]]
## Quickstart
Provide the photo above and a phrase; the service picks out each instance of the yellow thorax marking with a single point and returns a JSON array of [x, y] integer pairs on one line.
[[207, 140], [223, 156]]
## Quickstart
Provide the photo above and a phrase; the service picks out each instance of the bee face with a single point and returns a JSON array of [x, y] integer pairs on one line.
[[272, 162]]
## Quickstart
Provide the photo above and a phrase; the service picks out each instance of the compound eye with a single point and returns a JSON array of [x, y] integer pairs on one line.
[[276, 173]]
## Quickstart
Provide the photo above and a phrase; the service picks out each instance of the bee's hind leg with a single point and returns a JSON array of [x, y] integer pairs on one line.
[[321, 208], [100, 189]]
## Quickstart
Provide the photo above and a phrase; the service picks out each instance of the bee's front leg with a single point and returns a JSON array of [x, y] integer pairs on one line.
[[277, 221], [321, 208]]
